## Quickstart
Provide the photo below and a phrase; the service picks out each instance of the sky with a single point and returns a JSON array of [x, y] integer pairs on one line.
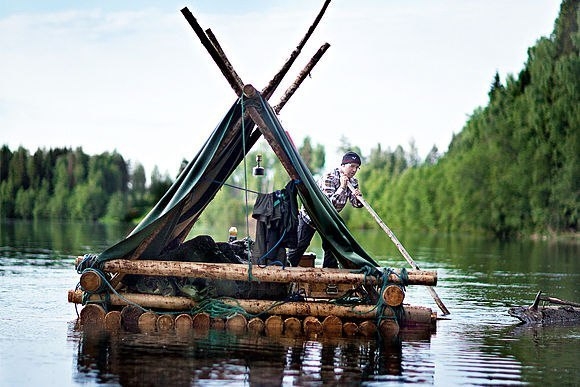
[[132, 77]]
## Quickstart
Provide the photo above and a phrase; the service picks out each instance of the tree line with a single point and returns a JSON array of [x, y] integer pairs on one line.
[[512, 170], [63, 183]]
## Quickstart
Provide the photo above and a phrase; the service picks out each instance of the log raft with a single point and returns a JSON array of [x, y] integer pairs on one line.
[[316, 315]]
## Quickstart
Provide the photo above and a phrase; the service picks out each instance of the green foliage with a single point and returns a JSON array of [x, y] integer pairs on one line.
[[65, 184]]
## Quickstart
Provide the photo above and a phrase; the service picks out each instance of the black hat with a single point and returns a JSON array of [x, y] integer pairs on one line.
[[351, 157]]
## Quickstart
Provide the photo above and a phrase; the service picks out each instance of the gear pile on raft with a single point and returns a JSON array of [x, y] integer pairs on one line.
[[163, 277]]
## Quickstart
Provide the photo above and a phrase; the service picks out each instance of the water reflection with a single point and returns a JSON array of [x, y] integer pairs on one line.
[[215, 357]]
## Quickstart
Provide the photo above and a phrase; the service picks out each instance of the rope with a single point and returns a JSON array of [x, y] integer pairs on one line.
[[250, 277]]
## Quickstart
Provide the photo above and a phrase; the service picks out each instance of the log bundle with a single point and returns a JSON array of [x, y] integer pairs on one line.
[[132, 319], [317, 315]]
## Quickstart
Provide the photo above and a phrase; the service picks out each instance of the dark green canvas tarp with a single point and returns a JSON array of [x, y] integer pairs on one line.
[[168, 224]]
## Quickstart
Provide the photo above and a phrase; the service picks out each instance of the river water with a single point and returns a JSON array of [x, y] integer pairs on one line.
[[478, 343]]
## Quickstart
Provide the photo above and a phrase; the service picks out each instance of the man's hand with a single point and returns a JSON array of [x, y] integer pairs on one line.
[[344, 180]]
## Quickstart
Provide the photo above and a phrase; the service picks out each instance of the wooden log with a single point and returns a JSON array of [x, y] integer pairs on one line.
[[236, 324], [183, 324], [218, 324], [93, 314], [332, 326], [130, 318], [210, 49], [419, 315], [147, 322], [201, 322], [412, 315], [256, 326], [274, 326], [301, 76], [226, 62], [311, 326], [292, 327], [388, 328], [349, 328], [91, 281], [393, 295], [113, 320], [238, 272], [367, 328], [165, 323]]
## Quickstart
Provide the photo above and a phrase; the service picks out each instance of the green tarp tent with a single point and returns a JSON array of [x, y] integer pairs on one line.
[[168, 224]]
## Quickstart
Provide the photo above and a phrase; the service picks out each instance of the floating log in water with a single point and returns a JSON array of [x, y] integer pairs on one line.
[[236, 323], [237, 272], [332, 326], [130, 317], [201, 321], [389, 328], [350, 328], [367, 328], [256, 326], [183, 323], [274, 326], [311, 326], [292, 327], [147, 322], [113, 320], [165, 323], [93, 314], [412, 314]]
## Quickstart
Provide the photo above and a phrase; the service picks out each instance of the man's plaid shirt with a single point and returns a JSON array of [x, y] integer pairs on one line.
[[330, 185]]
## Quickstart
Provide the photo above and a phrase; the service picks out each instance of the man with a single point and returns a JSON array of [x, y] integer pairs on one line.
[[334, 184]]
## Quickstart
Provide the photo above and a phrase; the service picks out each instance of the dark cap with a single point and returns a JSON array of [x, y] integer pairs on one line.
[[351, 157]]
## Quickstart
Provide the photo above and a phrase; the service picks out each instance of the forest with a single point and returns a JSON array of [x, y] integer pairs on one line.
[[512, 170]]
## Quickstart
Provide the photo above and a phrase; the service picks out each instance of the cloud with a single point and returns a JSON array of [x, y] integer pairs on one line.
[[138, 81]]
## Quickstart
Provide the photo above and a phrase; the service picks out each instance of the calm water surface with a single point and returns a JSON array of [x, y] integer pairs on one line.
[[41, 345]]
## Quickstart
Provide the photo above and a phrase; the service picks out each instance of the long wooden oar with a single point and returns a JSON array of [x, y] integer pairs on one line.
[[401, 248]]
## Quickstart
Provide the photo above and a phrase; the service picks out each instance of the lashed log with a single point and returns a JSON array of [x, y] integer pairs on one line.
[[236, 324], [183, 323], [130, 317], [113, 320], [256, 326], [93, 315], [367, 328], [164, 323], [349, 328], [393, 295], [240, 272], [292, 327], [332, 326], [311, 326], [218, 324], [201, 321], [273, 326], [301, 76], [413, 314], [147, 322]]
